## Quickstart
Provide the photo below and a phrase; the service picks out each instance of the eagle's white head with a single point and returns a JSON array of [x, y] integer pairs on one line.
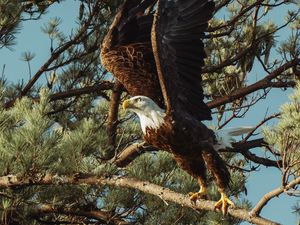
[[150, 114]]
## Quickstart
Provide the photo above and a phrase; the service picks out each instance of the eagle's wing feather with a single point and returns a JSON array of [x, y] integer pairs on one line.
[[128, 27], [177, 33], [127, 53]]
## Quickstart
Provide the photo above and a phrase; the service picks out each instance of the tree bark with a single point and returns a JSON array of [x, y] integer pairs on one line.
[[261, 84], [165, 194], [132, 152], [113, 115]]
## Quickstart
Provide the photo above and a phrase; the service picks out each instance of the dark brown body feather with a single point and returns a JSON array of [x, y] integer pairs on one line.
[[191, 144], [169, 73]]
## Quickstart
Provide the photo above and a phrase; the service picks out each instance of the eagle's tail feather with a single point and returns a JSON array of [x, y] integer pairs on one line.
[[225, 136]]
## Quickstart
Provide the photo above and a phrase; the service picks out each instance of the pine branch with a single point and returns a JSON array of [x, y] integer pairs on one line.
[[283, 84], [104, 217], [97, 88], [131, 152], [82, 35], [113, 115], [228, 61], [243, 148], [259, 85], [166, 194], [236, 18], [275, 193]]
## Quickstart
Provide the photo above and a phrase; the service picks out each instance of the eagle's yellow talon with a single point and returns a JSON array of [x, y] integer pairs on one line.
[[224, 203], [198, 195], [193, 196]]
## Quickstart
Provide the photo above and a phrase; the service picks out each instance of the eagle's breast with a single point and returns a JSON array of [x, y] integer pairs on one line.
[[152, 119]]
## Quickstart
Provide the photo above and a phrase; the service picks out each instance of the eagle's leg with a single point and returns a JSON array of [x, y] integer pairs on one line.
[[224, 203], [202, 193], [221, 175]]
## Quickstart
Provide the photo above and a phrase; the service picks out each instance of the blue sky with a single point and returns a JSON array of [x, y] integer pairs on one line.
[[32, 39]]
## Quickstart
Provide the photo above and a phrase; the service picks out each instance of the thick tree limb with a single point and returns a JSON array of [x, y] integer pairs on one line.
[[132, 152], [113, 112], [243, 148], [261, 84], [12, 181], [101, 216], [275, 193], [260, 160], [282, 84]]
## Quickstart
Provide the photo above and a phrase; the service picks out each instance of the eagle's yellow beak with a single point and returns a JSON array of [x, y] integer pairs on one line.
[[126, 103]]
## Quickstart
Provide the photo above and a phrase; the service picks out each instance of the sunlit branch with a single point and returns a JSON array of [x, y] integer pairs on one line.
[[264, 83], [166, 194], [275, 193]]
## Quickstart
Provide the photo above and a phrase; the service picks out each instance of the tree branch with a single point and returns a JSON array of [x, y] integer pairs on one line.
[[275, 193], [103, 217], [243, 148], [166, 194], [227, 62], [79, 37], [98, 88], [132, 152], [235, 19], [112, 119], [261, 84]]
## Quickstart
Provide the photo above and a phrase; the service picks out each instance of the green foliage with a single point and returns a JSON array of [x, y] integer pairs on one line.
[[247, 43], [33, 144], [68, 136], [9, 21], [285, 135], [53, 32]]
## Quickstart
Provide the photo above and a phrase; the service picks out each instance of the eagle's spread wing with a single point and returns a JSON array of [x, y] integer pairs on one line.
[[177, 33], [126, 50]]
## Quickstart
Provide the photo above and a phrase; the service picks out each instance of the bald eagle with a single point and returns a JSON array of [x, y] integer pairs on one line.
[[155, 49]]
